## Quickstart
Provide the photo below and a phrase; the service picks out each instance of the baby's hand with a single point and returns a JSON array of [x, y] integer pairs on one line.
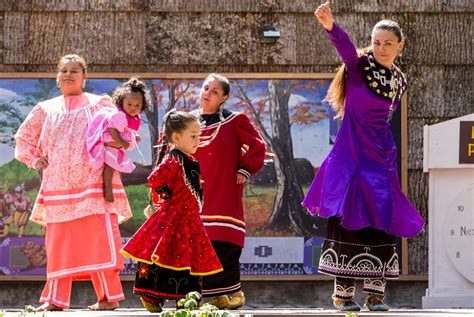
[[125, 145], [41, 163]]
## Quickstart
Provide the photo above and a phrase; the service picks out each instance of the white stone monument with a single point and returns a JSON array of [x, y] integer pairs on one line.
[[449, 160]]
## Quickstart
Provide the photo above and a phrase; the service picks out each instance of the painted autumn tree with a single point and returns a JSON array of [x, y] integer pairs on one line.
[[151, 115], [287, 210], [165, 95], [182, 94]]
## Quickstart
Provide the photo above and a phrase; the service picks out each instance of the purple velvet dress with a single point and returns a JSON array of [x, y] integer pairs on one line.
[[358, 181]]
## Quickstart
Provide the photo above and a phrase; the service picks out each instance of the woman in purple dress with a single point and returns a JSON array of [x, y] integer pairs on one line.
[[357, 186]]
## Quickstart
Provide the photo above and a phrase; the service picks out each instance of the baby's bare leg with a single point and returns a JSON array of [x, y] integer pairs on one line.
[[108, 175], [114, 144]]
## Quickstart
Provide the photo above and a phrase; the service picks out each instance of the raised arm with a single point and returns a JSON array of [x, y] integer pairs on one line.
[[338, 36]]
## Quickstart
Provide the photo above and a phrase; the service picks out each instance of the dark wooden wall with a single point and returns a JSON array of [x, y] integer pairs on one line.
[[223, 36]]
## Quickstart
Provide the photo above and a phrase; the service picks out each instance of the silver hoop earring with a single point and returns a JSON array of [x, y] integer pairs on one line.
[[221, 111]]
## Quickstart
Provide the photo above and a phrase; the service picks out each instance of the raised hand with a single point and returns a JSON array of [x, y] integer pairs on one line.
[[324, 16]]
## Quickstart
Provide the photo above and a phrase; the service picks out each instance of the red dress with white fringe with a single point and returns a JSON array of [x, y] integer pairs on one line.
[[174, 236]]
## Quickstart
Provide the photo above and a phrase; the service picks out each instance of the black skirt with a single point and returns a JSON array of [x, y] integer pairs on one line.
[[227, 281], [359, 254], [157, 282]]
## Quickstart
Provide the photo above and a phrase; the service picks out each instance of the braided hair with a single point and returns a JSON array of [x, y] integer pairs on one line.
[[173, 122]]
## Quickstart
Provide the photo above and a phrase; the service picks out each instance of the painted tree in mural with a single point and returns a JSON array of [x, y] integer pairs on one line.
[[44, 89], [166, 95], [10, 120], [182, 94], [287, 210], [12, 114], [151, 114]]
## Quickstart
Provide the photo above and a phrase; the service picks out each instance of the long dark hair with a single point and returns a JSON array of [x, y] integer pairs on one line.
[[173, 122], [336, 95]]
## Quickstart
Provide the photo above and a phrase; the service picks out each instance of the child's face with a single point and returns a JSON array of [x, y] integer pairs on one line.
[[132, 104], [187, 141]]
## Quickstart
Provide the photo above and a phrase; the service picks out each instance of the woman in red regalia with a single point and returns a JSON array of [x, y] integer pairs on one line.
[[225, 168]]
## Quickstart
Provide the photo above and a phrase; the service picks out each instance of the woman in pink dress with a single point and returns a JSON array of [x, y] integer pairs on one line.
[[114, 130], [82, 236]]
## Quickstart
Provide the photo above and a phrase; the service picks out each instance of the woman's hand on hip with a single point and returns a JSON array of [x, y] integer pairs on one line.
[[324, 16], [241, 178]]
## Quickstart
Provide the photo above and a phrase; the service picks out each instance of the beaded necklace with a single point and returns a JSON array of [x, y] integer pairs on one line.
[[206, 140], [387, 83]]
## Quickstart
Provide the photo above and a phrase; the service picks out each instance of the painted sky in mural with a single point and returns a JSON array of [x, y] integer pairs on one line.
[[309, 140], [271, 250]]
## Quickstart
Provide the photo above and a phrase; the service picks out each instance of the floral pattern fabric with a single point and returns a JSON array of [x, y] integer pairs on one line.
[[98, 135], [70, 187]]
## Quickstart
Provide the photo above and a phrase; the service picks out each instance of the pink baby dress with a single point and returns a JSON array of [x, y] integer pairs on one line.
[[98, 135]]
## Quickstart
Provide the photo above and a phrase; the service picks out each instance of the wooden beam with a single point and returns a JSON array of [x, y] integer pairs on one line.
[[244, 278], [179, 75]]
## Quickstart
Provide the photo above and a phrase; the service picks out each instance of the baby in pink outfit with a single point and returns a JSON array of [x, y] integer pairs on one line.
[[114, 130]]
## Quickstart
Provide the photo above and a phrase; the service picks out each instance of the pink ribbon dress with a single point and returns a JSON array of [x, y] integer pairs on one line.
[[98, 135]]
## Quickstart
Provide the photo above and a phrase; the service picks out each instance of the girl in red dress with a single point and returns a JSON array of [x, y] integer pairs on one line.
[[172, 248]]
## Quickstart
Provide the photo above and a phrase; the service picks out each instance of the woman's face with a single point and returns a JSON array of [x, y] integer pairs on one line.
[[211, 96], [70, 78], [386, 46]]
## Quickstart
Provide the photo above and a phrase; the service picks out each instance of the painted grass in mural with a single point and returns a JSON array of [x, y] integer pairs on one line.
[[298, 128]]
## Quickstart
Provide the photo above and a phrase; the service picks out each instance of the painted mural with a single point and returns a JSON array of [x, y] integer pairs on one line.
[[282, 239]]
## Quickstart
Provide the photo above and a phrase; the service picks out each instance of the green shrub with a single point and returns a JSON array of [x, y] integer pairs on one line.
[[188, 307]]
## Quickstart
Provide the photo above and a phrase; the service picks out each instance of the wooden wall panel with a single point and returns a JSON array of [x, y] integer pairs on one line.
[[202, 36]]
